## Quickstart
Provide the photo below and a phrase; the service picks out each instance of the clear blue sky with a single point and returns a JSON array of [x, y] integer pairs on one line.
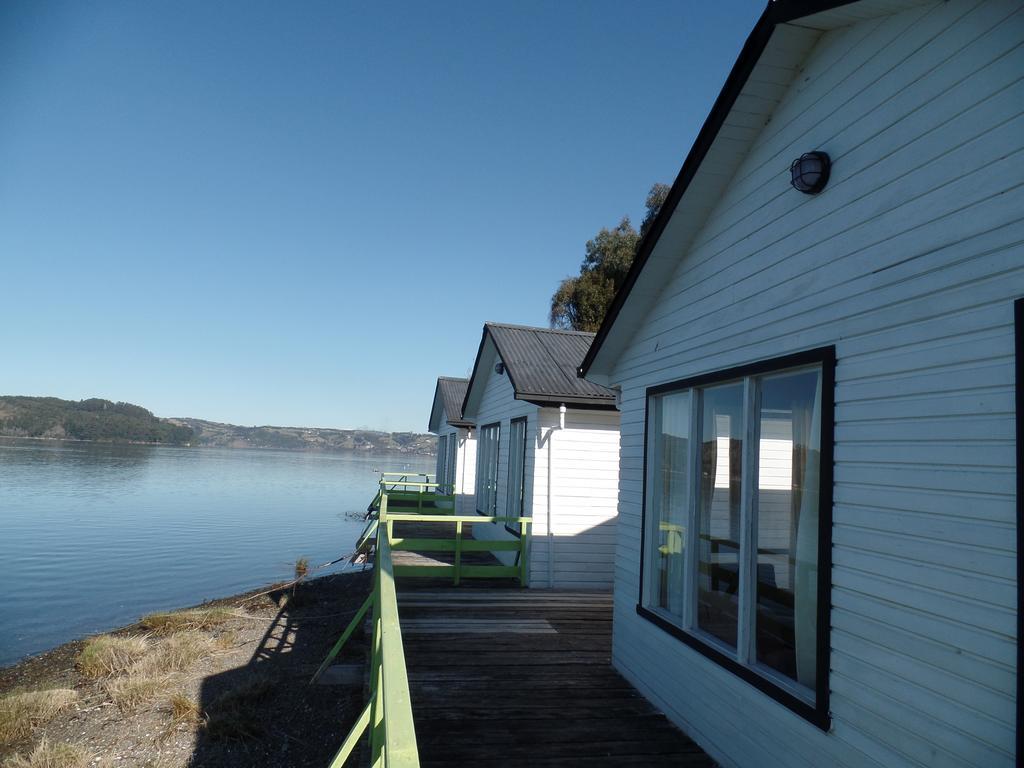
[[302, 213]]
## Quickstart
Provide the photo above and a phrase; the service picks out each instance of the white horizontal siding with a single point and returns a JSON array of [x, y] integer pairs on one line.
[[498, 405], [908, 263], [465, 466], [584, 488], [583, 461]]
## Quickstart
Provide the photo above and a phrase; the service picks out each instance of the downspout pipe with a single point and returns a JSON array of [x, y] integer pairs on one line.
[[551, 467]]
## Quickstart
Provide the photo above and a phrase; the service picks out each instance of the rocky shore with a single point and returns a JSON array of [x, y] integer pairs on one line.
[[223, 684]]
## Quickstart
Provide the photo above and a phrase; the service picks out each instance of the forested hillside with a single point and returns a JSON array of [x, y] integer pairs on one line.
[[103, 420], [213, 433], [92, 419]]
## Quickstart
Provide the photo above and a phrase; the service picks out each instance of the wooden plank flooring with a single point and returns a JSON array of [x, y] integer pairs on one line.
[[508, 677], [502, 676]]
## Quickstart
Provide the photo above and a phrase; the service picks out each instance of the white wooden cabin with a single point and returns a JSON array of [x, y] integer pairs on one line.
[[456, 444], [548, 449], [821, 395]]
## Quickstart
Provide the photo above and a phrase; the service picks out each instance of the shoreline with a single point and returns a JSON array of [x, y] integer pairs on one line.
[[264, 645], [367, 451], [74, 646]]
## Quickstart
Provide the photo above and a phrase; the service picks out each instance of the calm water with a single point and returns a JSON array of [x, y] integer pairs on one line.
[[93, 536]]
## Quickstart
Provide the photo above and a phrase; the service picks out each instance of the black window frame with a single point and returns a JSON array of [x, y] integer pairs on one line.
[[522, 483], [1018, 324], [818, 712]]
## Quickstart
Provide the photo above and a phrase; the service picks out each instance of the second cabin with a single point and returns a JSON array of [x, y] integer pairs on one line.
[[456, 443], [547, 447]]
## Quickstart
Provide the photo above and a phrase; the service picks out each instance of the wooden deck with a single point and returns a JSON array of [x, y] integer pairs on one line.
[[508, 677], [502, 676]]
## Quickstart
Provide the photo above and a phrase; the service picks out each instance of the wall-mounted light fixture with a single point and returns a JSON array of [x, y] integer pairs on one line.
[[499, 367], [810, 172]]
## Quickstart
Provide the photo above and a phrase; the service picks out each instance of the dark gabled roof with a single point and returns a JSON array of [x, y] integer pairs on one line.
[[783, 35], [541, 364], [453, 392], [449, 394]]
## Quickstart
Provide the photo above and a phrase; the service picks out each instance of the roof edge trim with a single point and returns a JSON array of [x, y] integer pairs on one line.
[[777, 12]]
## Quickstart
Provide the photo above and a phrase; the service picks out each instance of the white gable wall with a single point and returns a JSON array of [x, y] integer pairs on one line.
[[584, 488], [498, 404], [582, 461], [465, 466], [908, 263]]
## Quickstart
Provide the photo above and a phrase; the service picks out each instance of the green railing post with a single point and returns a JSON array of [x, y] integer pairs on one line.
[[376, 663], [399, 737], [388, 714]]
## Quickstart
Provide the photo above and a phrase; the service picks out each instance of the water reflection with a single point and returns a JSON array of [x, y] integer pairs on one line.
[[93, 535]]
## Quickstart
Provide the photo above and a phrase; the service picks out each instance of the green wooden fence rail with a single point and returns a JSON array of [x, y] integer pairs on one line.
[[421, 493], [459, 545], [387, 715]]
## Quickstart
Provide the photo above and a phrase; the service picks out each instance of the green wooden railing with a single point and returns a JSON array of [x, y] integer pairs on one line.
[[459, 545], [413, 491], [388, 713]]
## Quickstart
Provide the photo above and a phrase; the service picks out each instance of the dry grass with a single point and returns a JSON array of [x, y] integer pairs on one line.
[[175, 653], [131, 691], [50, 755], [150, 675], [165, 761], [21, 712], [108, 655], [226, 641], [193, 618], [184, 709]]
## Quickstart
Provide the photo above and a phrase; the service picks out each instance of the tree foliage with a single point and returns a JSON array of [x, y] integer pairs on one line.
[[581, 302], [92, 419]]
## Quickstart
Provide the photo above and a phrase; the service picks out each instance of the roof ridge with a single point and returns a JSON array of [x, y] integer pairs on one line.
[[540, 329], [452, 378]]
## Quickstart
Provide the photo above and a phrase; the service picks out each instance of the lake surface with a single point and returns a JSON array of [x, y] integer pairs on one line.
[[92, 535]]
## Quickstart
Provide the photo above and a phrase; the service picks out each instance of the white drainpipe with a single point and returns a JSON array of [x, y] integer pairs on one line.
[[551, 464]]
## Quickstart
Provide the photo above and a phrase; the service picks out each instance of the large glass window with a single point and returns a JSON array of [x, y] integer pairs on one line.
[[787, 523], [667, 495], [516, 472], [718, 510], [442, 460], [487, 470], [449, 478], [734, 540]]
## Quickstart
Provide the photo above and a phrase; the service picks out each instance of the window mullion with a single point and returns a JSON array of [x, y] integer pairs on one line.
[[690, 545], [748, 524]]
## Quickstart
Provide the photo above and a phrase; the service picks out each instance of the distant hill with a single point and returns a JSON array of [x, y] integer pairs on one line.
[[106, 421], [212, 433], [92, 419]]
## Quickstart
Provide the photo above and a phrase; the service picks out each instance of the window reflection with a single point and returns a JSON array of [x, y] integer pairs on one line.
[[669, 500], [721, 462], [787, 523]]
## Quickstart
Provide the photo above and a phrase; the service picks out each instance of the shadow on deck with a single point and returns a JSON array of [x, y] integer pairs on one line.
[[502, 676]]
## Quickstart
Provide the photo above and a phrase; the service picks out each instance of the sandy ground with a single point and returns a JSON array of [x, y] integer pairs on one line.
[[252, 702]]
